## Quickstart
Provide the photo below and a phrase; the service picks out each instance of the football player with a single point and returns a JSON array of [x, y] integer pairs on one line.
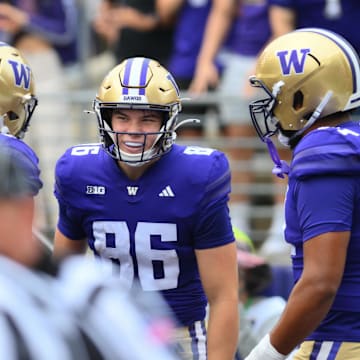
[[17, 105], [311, 83], [28, 311], [157, 210], [33, 324], [33, 306]]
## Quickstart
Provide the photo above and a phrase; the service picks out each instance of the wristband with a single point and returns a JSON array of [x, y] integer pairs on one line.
[[264, 350]]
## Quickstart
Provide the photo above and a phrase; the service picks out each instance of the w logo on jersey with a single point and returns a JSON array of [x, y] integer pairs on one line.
[[132, 190], [22, 74], [292, 59]]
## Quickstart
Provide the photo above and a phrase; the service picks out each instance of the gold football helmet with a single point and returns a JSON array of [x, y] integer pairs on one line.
[[306, 74], [138, 83], [17, 98]]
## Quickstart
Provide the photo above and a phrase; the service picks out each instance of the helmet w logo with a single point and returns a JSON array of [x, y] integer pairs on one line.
[[292, 59], [22, 74]]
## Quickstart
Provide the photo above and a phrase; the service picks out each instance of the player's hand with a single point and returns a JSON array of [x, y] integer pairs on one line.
[[206, 77], [12, 18], [264, 350]]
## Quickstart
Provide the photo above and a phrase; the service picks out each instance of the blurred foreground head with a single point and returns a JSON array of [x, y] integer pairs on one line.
[[17, 93], [19, 183]]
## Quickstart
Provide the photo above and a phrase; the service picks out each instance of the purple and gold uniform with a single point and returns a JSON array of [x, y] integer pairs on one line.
[[151, 226], [311, 105], [331, 153]]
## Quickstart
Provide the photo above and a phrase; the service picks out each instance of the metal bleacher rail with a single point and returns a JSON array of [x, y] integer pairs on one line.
[[261, 190]]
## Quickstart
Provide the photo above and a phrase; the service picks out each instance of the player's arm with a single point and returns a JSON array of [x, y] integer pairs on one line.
[[64, 246], [167, 10], [129, 17], [314, 293], [218, 271], [311, 297], [217, 26], [282, 20]]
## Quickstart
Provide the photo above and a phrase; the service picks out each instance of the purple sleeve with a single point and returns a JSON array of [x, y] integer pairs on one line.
[[70, 218], [67, 223], [214, 225], [325, 204]]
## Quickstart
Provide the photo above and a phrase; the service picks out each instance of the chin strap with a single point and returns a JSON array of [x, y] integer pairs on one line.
[[281, 167], [3, 128], [316, 114]]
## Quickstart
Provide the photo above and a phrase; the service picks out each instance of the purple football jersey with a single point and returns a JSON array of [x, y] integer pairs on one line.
[[324, 196], [151, 226], [26, 158]]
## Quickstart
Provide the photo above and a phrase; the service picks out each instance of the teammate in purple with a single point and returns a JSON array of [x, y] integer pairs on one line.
[[311, 81], [335, 15], [17, 102], [156, 209]]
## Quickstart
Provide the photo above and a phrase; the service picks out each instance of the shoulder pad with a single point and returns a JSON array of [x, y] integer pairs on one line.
[[327, 150]]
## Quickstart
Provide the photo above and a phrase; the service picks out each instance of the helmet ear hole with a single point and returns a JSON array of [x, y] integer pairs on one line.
[[298, 100], [12, 116]]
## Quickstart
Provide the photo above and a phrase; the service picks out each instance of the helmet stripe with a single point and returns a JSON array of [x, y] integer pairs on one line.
[[352, 57], [143, 74], [171, 78], [127, 76], [135, 76]]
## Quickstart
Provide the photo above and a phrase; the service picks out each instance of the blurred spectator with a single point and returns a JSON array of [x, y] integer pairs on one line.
[[201, 29], [124, 28], [45, 32], [132, 28], [251, 31], [38, 24], [335, 15], [258, 313], [95, 51]]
